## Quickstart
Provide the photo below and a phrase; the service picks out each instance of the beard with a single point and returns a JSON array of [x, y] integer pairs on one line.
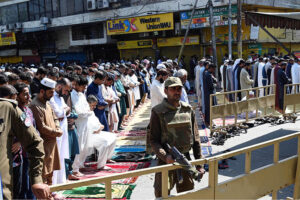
[[46, 97], [161, 80]]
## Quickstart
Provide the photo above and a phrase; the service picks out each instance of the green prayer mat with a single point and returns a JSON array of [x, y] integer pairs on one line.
[[119, 191]]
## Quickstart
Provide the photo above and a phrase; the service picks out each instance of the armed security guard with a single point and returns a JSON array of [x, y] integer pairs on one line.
[[14, 123], [173, 122]]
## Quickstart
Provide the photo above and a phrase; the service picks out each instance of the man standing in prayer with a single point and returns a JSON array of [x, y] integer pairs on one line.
[[48, 126], [61, 111], [209, 85], [95, 88], [157, 87], [246, 82]]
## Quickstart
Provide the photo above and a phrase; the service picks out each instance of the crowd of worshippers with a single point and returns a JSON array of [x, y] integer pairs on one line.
[[240, 74], [76, 110]]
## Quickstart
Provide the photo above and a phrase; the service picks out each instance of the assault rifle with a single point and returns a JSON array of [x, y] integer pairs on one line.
[[186, 165]]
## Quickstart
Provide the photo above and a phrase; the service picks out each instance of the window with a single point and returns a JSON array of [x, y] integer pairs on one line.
[[87, 32], [36, 9], [31, 10], [55, 8], [63, 7], [10, 14], [42, 8], [48, 6], [23, 12], [71, 7], [78, 6]]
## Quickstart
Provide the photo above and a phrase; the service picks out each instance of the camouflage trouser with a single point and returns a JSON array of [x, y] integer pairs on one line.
[[187, 184]]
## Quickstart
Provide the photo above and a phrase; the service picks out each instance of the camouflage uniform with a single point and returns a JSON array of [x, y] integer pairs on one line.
[[177, 127], [14, 123]]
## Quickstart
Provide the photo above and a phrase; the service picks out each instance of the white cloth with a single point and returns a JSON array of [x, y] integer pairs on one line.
[[197, 83], [260, 78], [157, 93], [104, 142], [222, 81], [58, 105], [113, 118], [82, 108], [295, 75], [136, 89]]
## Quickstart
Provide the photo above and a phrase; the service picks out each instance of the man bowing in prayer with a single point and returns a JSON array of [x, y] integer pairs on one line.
[[61, 110], [95, 88]]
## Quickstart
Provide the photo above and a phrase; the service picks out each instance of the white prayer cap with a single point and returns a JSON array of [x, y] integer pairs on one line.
[[48, 83], [160, 66], [169, 61], [34, 70], [101, 67], [203, 60], [7, 73], [226, 61], [49, 65]]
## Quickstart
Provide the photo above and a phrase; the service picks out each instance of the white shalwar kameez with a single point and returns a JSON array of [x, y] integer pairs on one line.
[[197, 83], [104, 142], [136, 89], [58, 105], [260, 78], [113, 118], [82, 108], [295, 76]]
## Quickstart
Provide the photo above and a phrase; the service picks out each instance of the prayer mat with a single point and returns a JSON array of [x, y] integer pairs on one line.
[[228, 121], [131, 157], [97, 191], [133, 133], [131, 142], [131, 149], [120, 167]]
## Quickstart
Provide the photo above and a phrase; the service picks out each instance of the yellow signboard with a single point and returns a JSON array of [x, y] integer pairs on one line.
[[177, 41], [149, 23], [135, 44], [7, 39]]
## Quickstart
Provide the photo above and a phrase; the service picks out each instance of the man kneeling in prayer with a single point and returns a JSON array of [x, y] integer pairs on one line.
[[103, 141]]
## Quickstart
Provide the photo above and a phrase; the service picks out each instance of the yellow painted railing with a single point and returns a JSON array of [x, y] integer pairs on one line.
[[292, 98], [233, 108], [252, 184]]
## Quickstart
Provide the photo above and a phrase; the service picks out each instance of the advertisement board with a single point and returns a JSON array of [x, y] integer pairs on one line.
[[142, 24]]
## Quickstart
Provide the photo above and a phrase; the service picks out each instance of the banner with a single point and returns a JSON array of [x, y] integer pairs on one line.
[[177, 41], [149, 23], [135, 44], [201, 17], [7, 39]]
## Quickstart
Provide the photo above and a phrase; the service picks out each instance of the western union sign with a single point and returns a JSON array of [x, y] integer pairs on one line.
[[135, 44], [177, 41], [7, 39], [149, 23]]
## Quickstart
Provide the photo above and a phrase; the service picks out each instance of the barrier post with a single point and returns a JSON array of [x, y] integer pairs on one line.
[[256, 96], [108, 190], [213, 175], [297, 178], [248, 162], [165, 184], [284, 98], [224, 115], [247, 113], [235, 114], [210, 114]]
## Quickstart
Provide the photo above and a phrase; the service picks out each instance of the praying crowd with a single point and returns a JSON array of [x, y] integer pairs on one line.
[[77, 109]]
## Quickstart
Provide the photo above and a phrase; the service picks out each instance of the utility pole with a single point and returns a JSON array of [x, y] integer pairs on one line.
[[187, 31], [213, 36], [229, 32], [239, 28]]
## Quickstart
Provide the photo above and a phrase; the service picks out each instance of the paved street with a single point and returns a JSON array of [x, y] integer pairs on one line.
[[144, 189]]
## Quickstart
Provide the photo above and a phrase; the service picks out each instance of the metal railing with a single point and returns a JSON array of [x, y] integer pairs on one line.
[[291, 98], [235, 107], [250, 185]]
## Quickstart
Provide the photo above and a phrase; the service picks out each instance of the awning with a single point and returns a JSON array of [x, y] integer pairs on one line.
[[289, 20], [8, 52]]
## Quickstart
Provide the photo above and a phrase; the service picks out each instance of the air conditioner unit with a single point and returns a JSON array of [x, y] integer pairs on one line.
[[45, 20], [114, 1], [10, 26], [102, 4], [18, 25], [91, 4]]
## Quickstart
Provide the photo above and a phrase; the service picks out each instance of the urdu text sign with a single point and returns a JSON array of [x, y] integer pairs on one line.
[[142, 24]]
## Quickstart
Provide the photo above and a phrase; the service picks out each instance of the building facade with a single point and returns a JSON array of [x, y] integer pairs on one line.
[[88, 30]]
